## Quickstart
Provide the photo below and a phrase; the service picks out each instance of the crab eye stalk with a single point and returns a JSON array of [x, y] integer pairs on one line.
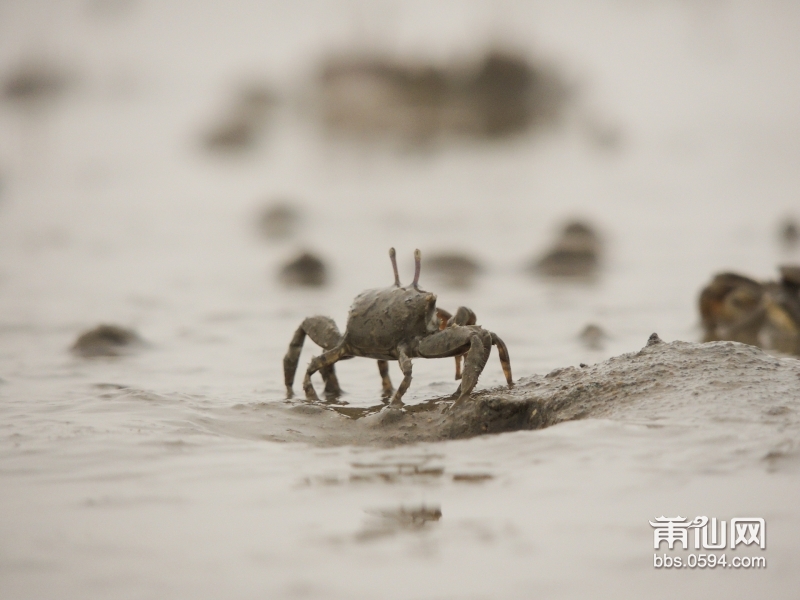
[[417, 267], [393, 257]]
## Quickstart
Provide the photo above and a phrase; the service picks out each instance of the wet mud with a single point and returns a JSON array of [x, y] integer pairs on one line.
[[657, 383]]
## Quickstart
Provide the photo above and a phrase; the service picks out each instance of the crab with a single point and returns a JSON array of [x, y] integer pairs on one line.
[[396, 323]]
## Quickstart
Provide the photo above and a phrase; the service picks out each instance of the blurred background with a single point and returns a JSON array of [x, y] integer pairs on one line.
[[198, 177], [172, 166]]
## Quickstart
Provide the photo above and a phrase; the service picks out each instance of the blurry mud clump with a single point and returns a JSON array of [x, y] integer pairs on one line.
[[497, 96], [34, 83], [390, 522], [593, 337], [789, 233], [737, 308], [279, 220], [575, 254], [106, 340], [307, 270], [245, 121], [731, 309], [452, 269]]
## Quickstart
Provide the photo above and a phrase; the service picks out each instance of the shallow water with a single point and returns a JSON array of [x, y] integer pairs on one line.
[[141, 476]]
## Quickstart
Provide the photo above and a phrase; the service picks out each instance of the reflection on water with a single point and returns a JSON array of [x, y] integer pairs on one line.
[[472, 477], [389, 522], [395, 472]]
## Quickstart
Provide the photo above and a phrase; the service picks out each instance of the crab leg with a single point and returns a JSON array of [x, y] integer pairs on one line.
[[318, 363], [386, 382], [474, 363], [324, 333], [405, 366], [458, 366], [463, 316], [443, 317], [505, 361], [472, 341]]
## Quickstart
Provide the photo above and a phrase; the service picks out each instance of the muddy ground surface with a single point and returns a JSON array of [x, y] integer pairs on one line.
[[661, 382]]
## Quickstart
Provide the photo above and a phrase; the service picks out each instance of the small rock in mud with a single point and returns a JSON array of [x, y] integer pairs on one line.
[[738, 308], [34, 83], [246, 119], [452, 269], [256, 100], [593, 336], [575, 254], [235, 134], [789, 233], [279, 220], [307, 270], [499, 95], [106, 340]]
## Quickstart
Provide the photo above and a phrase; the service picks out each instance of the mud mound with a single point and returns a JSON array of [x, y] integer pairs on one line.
[[662, 383], [499, 95], [106, 340]]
